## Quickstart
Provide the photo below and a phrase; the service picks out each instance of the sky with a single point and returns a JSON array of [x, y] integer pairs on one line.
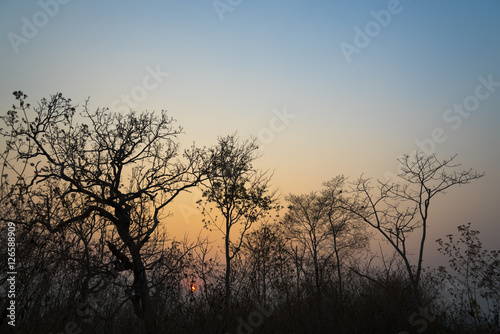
[[326, 87]]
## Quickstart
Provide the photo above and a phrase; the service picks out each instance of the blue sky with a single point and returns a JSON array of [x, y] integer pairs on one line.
[[283, 57]]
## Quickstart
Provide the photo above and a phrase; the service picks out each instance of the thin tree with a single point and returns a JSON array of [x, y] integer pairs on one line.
[[396, 210], [240, 193], [347, 231], [306, 225], [263, 252]]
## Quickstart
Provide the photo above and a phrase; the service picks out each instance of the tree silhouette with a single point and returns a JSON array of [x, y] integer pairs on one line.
[[86, 194], [345, 228], [239, 193], [264, 250], [320, 225], [397, 209], [306, 225], [108, 163]]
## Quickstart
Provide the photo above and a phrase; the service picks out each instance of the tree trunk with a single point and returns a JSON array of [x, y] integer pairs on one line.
[[142, 303], [228, 279], [228, 267], [316, 271], [140, 294], [339, 274]]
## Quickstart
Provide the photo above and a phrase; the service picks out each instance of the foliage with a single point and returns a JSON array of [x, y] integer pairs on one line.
[[89, 193], [473, 279]]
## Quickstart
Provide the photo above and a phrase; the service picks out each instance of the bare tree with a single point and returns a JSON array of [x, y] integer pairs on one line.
[[305, 224], [345, 228], [396, 210], [263, 249], [297, 256], [320, 225], [240, 193], [111, 162]]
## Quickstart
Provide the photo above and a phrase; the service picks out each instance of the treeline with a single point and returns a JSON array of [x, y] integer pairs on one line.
[[86, 196]]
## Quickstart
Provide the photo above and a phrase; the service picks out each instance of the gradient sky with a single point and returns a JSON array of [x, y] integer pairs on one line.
[[239, 69]]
